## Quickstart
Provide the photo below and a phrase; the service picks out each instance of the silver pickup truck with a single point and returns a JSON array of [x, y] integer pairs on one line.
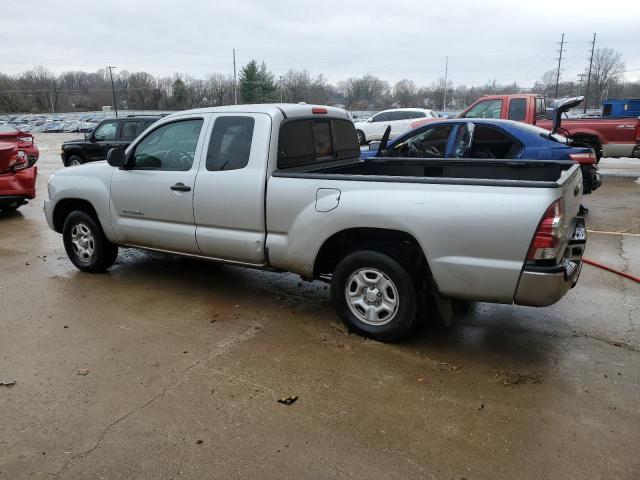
[[282, 187]]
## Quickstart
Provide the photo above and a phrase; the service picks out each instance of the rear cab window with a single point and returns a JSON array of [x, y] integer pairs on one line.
[[517, 109], [485, 109], [311, 141]]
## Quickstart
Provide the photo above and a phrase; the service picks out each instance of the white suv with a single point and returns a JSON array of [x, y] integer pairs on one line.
[[400, 120]]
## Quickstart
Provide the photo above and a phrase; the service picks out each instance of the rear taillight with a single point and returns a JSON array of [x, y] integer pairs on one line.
[[318, 110], [583, 158], [547, 241], [21, 161]]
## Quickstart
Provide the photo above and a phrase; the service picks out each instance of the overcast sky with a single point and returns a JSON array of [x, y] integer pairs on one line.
[[509, 40]]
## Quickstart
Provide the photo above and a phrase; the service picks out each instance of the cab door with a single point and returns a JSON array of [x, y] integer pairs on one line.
[[103, 139], [230, 188], [152, 197]]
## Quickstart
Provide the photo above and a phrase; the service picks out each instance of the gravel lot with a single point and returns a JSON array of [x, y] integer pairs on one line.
[[170, 368]]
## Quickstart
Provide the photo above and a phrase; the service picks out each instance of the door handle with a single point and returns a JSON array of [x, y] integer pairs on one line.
[[180, 187]]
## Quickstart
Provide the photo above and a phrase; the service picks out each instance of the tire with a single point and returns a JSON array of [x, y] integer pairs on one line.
[[85, 243], [386, 310], [361, 138], [74, 161]]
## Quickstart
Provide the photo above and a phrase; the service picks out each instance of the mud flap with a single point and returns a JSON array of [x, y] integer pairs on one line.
[[445, 308]]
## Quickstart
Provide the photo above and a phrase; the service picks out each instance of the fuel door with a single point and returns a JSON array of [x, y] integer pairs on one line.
[[327, 199]]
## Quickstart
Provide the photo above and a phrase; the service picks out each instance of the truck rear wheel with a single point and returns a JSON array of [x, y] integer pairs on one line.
[[361, 138], [374, 295], [86, 245]]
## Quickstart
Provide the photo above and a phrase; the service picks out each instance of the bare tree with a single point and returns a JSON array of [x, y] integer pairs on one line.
[[366, 93], [405, 93], [607, 67], [220, 88]]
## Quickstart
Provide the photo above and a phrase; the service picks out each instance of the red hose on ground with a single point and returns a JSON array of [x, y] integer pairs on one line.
[[617, 272]]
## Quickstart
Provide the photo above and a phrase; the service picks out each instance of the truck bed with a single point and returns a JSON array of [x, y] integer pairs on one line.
[[543, 174]]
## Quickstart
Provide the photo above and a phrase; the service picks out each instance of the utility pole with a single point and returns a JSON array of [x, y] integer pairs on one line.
[[446, 72], [559, 64], [113, 90], [586, 94], [281, 90], [235, 80], [580, 81]]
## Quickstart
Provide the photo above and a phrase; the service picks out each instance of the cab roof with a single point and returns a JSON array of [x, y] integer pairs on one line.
[[288, 110]]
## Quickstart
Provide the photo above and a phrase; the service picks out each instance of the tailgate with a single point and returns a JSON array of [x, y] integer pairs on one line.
[[571, 187]]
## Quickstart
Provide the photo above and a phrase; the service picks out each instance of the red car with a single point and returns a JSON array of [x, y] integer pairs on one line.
[[24, 141], [17, 178]]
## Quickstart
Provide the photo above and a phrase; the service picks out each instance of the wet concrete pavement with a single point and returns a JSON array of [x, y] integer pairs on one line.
[[170, 368]]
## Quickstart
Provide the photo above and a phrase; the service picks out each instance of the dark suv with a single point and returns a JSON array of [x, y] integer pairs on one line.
[[110, 133]]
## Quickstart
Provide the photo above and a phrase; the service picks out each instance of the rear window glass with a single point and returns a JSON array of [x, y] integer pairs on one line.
[[230, 144], [132, 128], [517, 109], [304, 142]]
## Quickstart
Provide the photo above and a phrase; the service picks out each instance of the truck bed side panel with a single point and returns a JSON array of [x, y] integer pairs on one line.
[[475, 237]]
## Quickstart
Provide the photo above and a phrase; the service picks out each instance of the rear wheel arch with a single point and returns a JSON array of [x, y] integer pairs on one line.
[[589, 140], [398, 244], [64, 207]]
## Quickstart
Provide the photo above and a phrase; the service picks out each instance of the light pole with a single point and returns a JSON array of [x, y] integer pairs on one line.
[[113, 90]]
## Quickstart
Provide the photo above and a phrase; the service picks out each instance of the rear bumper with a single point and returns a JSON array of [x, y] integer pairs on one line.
[[21, 183], [544, 286], [540, 287]]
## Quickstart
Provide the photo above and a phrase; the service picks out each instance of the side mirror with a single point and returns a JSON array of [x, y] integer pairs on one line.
[[374, 146], [87, 135], [116, 157], [370, 119]]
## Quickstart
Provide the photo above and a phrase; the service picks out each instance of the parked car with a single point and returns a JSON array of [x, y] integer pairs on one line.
[[489, 139], [282, 187], [109, 133], [609, 137], [22, 140], [399, 120], [17, 178]]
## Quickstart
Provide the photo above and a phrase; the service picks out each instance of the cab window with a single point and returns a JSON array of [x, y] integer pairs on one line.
[[517, 109], [171, 146], [230, 144], [106, 131], [485, 109], [541, 108], [132, 128], [304, 142]]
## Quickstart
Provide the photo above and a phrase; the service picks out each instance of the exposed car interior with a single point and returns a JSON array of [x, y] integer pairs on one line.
[[430, 143], [491, 142]]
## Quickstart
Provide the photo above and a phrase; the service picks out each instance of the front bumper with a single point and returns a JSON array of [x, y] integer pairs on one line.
[[541, 286]]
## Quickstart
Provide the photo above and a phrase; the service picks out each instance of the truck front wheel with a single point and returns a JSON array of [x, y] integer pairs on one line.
[[374, 295], [85, 243]]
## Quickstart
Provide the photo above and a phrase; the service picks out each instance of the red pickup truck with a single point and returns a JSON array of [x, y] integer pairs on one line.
[[609, 137]]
